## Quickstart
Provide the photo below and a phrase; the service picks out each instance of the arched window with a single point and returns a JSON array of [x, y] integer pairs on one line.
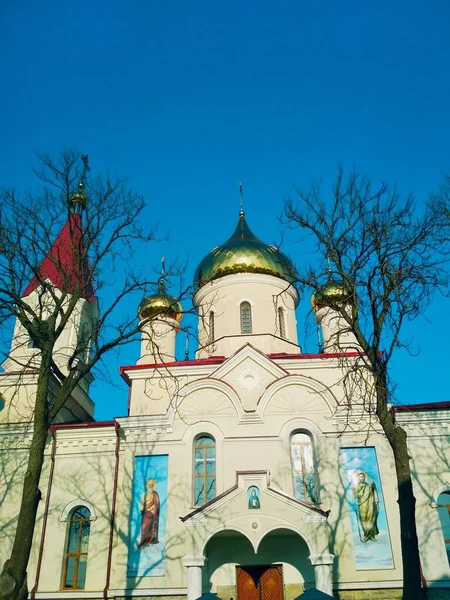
[[211, 335], [204, 469], [443, 506], [75, 563], [303, 471], [281, 324], [246, 317]]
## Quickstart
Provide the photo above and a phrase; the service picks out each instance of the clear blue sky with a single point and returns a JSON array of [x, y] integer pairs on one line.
[[188, 98]]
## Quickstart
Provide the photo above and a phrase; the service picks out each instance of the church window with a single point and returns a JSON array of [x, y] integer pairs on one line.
[[246, 317], [303, 471], [281, 323], [75, 562], [211, 327], [204, 470], [443, 506]]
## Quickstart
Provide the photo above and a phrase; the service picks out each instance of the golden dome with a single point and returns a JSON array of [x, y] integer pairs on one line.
[[160, 304], [243, 252], [330, 292]]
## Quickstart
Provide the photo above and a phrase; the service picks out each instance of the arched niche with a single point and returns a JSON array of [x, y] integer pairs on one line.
[[297, 395], [205, 399]]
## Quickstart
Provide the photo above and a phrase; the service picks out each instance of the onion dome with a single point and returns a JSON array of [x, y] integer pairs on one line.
[[160, 304], [243, 252], [332, 292]]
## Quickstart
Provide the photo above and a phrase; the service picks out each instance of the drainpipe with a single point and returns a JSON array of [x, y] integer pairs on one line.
[[113, 512], [44, 521]]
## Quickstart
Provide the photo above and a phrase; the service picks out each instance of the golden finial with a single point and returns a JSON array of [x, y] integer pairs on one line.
[[162, 279], [241, 212], [78, 200]]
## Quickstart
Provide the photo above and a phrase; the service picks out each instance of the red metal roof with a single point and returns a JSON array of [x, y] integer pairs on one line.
[[423, 406], [62, 265]]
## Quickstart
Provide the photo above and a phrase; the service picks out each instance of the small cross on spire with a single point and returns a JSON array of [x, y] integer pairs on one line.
[[241, 197]]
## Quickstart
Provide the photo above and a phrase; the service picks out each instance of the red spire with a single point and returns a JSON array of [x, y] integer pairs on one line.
[[62, 264]]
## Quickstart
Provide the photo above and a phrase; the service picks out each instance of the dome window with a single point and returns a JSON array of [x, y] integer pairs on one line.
[[281, 323], [246, 317], [211, 333]]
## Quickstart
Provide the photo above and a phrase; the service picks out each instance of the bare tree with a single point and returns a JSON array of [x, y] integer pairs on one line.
[[387, 257], [46, 286]]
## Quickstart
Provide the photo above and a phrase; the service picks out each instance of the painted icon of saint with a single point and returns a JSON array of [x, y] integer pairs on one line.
[[253, 499], [149, 507], [366, 496]]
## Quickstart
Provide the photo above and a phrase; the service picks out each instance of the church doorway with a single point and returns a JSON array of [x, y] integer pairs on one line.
[[259, 582]]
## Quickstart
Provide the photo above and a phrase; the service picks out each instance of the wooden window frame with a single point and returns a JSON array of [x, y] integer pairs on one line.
[[205, 476], [78, 554]]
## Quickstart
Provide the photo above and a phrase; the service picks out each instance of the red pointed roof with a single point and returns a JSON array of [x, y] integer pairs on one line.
[[62, 263]]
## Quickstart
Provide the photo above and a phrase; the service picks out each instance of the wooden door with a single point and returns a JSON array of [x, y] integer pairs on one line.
[[260, 582]]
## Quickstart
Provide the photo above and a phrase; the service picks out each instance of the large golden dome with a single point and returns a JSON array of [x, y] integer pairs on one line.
[[243, 252]]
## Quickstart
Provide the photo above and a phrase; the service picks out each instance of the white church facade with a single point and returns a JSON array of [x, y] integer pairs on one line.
[[244, 472]]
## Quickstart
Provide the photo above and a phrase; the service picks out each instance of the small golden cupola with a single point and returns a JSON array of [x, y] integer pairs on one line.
[[330, 293], [160, 305], [336, 330], [160, 315]]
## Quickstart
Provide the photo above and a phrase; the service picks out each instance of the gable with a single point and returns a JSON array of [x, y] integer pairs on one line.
[[249, 373]]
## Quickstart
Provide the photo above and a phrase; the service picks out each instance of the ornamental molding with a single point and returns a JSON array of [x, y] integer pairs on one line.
[[74, 504], [445, 487], [295, 404], [204, 399], [321, 559], [193, 560]]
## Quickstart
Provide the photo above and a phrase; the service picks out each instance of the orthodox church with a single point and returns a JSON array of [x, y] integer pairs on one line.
[[247, 472]]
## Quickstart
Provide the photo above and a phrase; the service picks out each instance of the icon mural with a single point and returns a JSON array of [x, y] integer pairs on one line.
[[371, 543], [148, 517], [149, 507], [253, 497]]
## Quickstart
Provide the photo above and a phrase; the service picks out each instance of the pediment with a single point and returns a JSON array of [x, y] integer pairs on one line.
[[249, 372], [235, 509]]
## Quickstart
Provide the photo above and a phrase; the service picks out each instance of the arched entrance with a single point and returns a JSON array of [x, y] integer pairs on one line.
[[279, 568]]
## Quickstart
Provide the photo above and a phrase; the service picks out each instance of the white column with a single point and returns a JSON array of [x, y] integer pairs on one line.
[[194, 564], [323, 564]]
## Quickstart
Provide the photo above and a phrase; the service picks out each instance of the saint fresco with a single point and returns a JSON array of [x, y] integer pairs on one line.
[[253, 497], [148, 517], [372, 546]]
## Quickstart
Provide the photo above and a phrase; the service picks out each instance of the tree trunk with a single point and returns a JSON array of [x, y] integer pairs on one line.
[[396, 436], [412, 585], [16, 566]]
